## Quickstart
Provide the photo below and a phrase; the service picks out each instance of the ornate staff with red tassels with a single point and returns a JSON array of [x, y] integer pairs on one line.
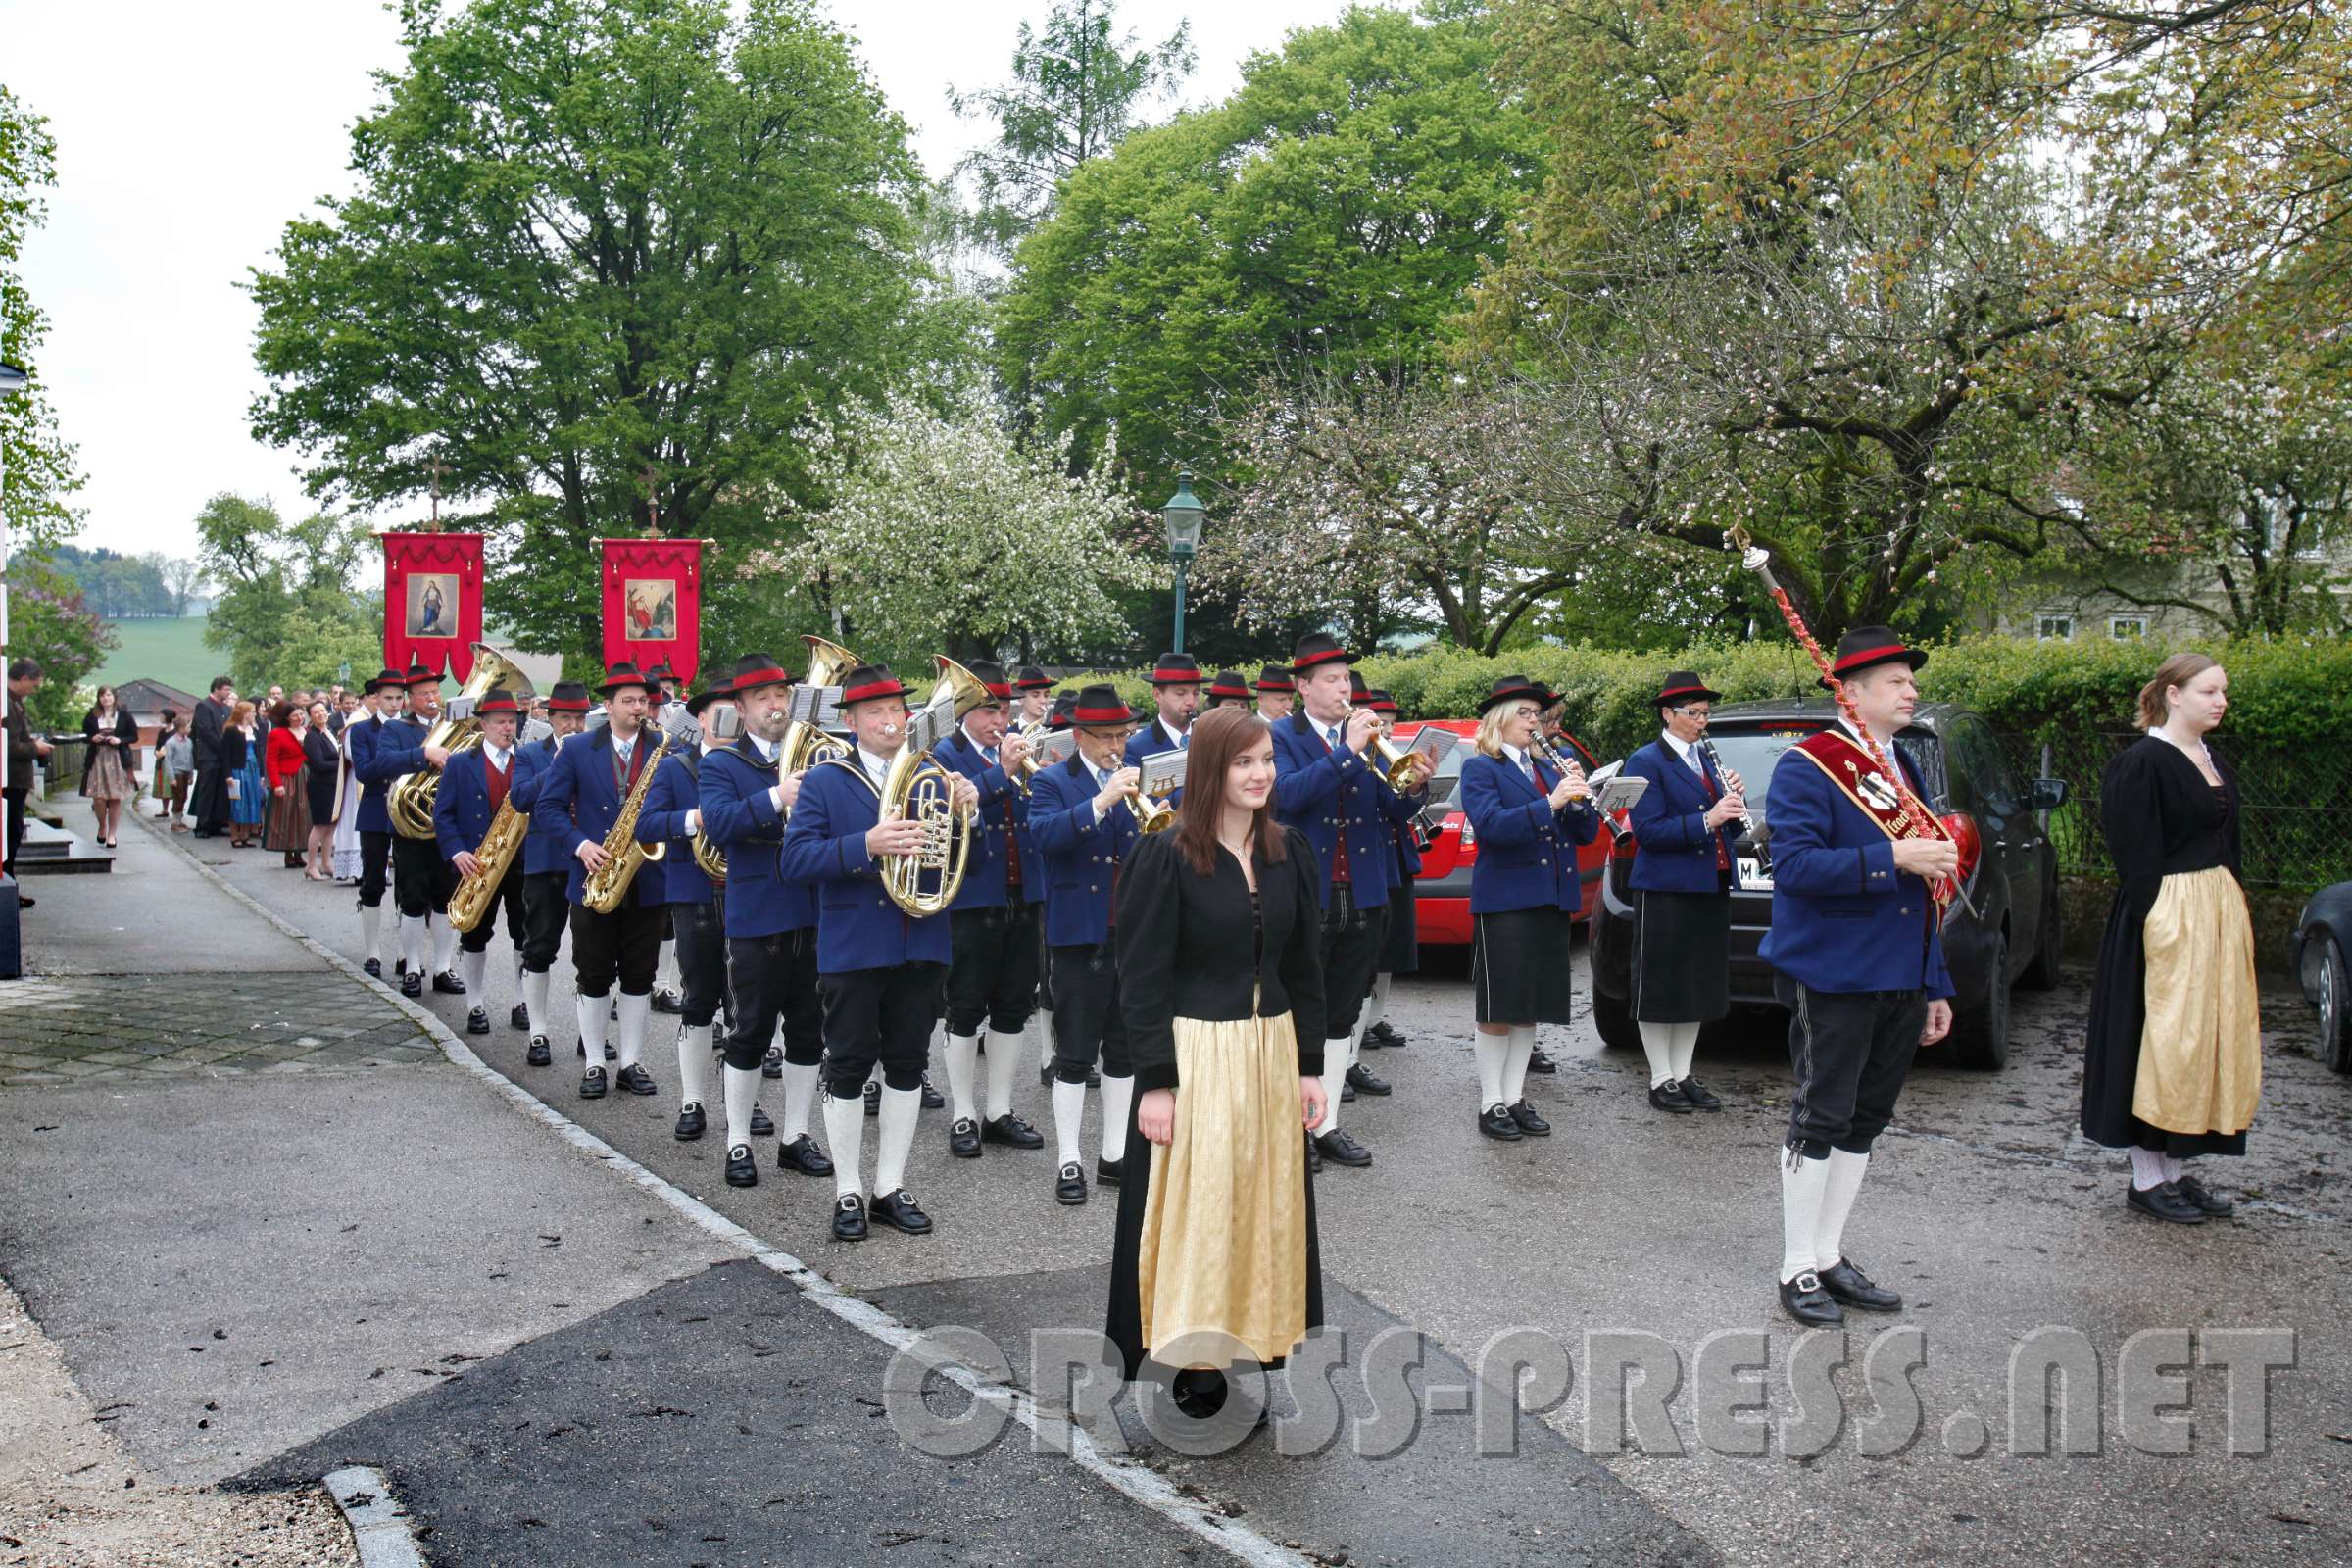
[[1914, 819]]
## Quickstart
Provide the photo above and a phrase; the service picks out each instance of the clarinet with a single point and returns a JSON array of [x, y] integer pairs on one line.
[[1748, 824]]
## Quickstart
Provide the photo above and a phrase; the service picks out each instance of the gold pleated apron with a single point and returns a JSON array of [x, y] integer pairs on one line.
[[2200, 1050], [1224, 1239]]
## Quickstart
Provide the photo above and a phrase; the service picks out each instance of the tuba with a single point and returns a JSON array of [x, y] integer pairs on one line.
[[623, 854], [411, 798], [919, 788]]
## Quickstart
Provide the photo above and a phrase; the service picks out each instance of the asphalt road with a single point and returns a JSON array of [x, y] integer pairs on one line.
[[1627, 1234]]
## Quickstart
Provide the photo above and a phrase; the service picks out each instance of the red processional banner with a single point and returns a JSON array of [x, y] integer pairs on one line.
[[432, 601], [653, 603]]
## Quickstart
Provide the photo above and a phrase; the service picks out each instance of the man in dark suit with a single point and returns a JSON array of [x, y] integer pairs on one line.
[[581, 798], [546, 864], [25, 751], [473, 786], [374, 821], [204, 733], [880, 968], [1176, 692]]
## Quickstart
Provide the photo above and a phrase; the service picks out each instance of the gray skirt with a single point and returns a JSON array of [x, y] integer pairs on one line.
[[1519, 967], [1681, 956]]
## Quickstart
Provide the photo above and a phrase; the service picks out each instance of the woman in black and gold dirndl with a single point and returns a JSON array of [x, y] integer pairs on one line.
[[1220, 983], [2173, 1068]]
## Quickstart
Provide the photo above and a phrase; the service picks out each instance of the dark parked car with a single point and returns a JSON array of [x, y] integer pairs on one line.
[[2013, 937], [2316, 954]]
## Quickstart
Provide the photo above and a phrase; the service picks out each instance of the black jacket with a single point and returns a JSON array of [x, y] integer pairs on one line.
[[1185, 945]]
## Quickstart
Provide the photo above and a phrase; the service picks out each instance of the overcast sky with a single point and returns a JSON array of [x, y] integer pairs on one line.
[[188, 134]]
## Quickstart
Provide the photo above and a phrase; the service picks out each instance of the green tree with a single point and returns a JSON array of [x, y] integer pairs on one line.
[[49, 622], [1077, 86], [1331, 212], [39, 474], [286, 611], [606, 256]]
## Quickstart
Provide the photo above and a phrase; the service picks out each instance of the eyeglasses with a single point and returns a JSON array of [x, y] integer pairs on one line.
[[1699, 712]]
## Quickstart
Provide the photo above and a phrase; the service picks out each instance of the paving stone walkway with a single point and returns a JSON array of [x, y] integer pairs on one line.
[[101, 1028]]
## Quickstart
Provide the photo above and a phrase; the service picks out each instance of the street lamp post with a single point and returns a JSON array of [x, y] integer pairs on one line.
[[1183, 514], [13, 381]]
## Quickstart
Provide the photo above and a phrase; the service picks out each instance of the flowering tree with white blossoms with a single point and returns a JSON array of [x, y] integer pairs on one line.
[[946, 535]]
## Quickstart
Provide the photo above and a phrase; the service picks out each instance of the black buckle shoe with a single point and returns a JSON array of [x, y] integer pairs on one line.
[[873, 1096], [691, 1122], [1070, 1185], [964, 1137], [1668, 1097], [901, 1212], [2205, 1198], [933, 1100], [803, 1154], [2165, 1201], [772, 1065], [1315, 1155], [1010, 1131], [761, 1125], [449, 985], [400, 967], [1804, 1300], [375, 968], [1382, 1037], [412, 984], [579, 1049], [1109, 1172], [1045, 1075], [1496, 1121], [636, 1080], [1537, 1061], [1851, 1286], [1700, 1099], [520, 1016], [1527, 1121], [539, 1055], [742, 1169], [668, 1002], [1360, 1078], [1342, 1149], [1346, 1093], [849, 1218], [592, 1084], [477, 1022]]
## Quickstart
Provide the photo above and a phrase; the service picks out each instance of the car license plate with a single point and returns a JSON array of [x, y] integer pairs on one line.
[[1752, 877]]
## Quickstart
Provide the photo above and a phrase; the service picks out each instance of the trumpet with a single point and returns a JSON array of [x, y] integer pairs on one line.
[[1394, 762]]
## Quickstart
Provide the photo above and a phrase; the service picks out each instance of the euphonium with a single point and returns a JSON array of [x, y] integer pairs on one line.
[[411, 798], [623, 854], [709, 856], [475, 893], [917, 789]]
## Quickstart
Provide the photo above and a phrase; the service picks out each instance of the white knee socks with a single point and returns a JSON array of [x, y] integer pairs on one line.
[[633, 1011], [694, 1064], [800, 1094], [845, 1130], [1514, 1069], [1494, 1055], [1119, 1102], [899, 1110], [1335, 1078], [534, 999], [472, 967], [444, 948], [590, 1011], [1657, 1043], [962, 1054], [1069, 1107], [2147, 1169], [1686, 1046], [412, 941], [1803, 1184], [1376, 1006], [743, 1088], [372, 930], [1003, 1061], [1836, 1201]]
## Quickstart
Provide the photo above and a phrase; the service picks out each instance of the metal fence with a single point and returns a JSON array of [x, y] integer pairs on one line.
[[2296, 806], [62, 768]]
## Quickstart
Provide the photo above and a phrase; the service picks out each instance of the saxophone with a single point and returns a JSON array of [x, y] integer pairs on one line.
[[472, 899], [623, 854]]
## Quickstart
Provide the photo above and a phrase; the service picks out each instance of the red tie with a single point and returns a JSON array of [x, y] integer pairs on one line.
[[1723, 855]]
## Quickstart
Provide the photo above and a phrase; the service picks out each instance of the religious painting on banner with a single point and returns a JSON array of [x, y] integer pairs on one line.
[[432, 600], [652, 602]]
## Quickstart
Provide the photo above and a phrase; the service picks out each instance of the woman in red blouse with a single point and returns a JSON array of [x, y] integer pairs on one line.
[[283, 765]]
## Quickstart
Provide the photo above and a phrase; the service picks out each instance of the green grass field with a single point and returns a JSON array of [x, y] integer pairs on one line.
[[169, 651]]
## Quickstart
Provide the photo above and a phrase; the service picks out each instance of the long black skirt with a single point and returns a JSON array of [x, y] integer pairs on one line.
[[1681, 956], [1519, 965]]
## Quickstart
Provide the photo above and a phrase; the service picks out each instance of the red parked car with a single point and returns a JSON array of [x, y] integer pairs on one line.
[[1443, 889]]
